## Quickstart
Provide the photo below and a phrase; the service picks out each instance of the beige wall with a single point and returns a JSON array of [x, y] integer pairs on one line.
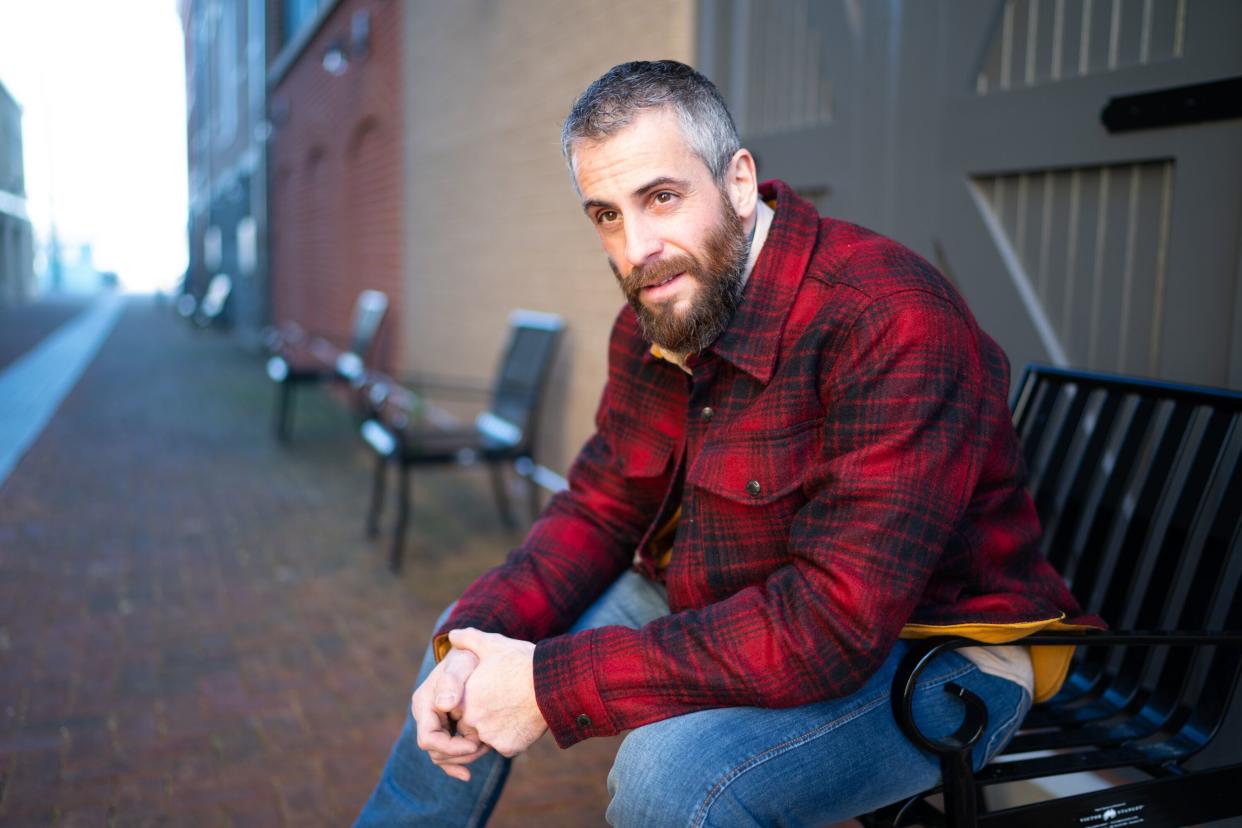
[[492, 222]]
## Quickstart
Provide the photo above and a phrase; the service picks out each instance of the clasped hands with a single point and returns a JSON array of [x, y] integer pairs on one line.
[[480, 697]]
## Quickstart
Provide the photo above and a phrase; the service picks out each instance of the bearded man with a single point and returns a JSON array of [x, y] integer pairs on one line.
[[803, 456]]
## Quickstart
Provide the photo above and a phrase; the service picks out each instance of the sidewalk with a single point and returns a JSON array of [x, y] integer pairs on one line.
[[193, 629], [22, 326]]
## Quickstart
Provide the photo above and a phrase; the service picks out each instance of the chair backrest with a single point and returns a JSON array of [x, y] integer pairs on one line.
[[218, 290], [1138, 484], [369, 311], [522, 376]]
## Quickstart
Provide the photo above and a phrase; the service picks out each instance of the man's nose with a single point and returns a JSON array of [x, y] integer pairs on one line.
[[642, 242]]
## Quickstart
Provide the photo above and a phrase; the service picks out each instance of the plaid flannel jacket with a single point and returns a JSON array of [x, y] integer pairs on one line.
[[850, 471]]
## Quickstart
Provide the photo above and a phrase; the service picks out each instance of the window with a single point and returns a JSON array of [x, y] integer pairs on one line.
[[226, 72], [296, 15]]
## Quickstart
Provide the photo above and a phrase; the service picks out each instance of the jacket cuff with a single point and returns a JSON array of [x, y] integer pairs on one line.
[[566, 689], [458, 620]]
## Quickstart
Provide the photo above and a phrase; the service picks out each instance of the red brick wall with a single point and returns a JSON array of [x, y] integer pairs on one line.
[[336, 197]]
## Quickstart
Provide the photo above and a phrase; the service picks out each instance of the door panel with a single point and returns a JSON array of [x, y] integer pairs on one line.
[[970, 130]]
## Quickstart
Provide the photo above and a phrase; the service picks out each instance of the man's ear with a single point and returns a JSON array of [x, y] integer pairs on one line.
[[742, 185]]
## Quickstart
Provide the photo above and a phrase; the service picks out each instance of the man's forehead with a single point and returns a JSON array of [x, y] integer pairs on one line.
[[651, 146]]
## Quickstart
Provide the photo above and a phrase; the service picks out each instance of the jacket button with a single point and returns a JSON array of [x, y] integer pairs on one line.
[[706, 413], [754, 488], [584, 720]]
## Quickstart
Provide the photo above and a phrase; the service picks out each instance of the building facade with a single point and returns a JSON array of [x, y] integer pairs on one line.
[[492, 219], [413, 147], [16, 240], [336, 164], [225, 49]]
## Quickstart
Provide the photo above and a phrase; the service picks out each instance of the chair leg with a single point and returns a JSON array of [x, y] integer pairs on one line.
[[403, 513], [502, 496], [532, 491], [377, 495], [284, 411]]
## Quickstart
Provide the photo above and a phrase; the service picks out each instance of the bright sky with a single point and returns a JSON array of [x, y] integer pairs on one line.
[[102, 90]]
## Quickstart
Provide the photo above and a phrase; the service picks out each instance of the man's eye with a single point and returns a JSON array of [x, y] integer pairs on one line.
[[605, 216], [664, 197]]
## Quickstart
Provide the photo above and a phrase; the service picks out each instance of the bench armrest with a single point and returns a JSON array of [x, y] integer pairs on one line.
[[924, 651]]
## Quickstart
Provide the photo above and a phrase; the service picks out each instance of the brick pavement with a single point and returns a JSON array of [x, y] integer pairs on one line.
[[193, 630]]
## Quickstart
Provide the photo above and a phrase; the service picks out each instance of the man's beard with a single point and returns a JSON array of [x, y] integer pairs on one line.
[[720, 284]]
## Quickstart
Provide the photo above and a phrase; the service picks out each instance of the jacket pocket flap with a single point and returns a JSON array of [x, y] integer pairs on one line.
[[756, 468]]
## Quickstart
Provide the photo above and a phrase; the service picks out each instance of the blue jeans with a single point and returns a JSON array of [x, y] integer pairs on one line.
[[807, 765]]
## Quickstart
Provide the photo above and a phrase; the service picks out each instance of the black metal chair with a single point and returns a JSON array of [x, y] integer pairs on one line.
[[1139, 487], [401, 431], [299, 358], [208, 310]]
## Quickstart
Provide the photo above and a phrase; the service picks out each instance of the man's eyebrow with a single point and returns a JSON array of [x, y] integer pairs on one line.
[[595, 202], [662, 181]]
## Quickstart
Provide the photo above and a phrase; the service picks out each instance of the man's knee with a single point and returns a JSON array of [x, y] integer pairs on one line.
[[651, 782]]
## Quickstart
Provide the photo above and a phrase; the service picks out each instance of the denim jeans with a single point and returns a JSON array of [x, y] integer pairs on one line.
[[731, 766]]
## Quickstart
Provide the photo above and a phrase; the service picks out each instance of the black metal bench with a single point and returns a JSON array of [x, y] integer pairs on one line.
[[1139, 487], [299, 358], [399, 431]]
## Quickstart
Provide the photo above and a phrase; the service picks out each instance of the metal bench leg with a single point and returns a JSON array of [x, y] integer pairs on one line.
[[960, 806], [403, 512], [502, 496], [284, 411], [377, 495]]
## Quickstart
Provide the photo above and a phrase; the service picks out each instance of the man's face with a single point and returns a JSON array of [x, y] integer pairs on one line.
[[673, 239]]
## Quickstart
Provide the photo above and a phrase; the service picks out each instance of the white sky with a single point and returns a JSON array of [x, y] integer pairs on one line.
[[102, 90]]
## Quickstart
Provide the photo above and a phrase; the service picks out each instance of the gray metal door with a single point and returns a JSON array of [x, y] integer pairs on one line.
[[972, 132], [1111, 251]]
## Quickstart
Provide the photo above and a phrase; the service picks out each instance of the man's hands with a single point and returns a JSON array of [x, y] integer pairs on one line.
[[486, 686], [436, 705], [501, 705]]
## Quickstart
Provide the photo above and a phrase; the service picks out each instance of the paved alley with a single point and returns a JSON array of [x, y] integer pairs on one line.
[[193, 628]]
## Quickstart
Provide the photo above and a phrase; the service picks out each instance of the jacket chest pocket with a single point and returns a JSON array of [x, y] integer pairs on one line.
[[743, 494]]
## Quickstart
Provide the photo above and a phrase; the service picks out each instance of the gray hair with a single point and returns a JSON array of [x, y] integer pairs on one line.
[[624, 91]]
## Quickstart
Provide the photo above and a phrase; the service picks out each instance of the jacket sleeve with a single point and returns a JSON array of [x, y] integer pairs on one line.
[[903, 401]]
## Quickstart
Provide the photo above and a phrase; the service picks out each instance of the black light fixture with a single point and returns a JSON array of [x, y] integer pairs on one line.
[[360, 35], [334, 60], [341, 51]]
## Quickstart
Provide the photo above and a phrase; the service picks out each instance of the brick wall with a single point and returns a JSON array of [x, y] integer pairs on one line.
[[493, 222], [336, 194]]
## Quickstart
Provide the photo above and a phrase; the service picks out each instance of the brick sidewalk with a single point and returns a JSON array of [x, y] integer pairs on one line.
[[193, 630]]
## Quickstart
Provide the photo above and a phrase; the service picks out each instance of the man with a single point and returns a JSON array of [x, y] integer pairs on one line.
[[802, 453]]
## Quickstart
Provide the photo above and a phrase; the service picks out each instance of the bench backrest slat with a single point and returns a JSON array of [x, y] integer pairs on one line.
[[1139, 487]]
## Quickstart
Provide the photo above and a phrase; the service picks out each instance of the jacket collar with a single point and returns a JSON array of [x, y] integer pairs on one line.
[[751, 342]]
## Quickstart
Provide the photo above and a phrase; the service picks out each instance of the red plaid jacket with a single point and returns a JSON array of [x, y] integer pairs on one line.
[[850, 470]]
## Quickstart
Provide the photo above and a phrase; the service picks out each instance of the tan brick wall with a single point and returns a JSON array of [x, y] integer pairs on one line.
[[492, 222], [336, 194]]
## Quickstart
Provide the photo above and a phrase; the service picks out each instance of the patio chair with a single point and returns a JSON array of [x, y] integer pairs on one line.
[[204, 312], [404, 431], [299, 358]]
